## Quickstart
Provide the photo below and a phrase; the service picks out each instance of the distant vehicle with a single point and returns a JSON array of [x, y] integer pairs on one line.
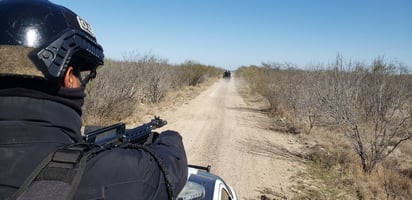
[[201, 184], [227, 74]]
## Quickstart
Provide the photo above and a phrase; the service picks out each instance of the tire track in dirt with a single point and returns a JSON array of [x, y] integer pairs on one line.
[[220, 129]]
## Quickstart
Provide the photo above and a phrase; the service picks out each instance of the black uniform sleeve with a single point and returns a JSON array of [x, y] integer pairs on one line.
[[169, 147]]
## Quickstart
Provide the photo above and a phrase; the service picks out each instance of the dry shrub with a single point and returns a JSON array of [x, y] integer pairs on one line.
[[113, 95], [192, 73], [254, 77], [359, 115], [288, 92], [121, 86], [371, 105]]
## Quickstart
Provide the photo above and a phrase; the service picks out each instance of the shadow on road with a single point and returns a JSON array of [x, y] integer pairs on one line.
[[270, 149], [248, 109], [259, 115]]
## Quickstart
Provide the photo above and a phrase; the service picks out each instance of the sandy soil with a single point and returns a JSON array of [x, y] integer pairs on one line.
[[221, 129]]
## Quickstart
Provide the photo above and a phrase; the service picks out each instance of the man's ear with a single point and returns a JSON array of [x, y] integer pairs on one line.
[[70, 80]]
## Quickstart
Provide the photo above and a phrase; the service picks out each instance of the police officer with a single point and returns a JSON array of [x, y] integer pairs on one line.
[[44, 49]]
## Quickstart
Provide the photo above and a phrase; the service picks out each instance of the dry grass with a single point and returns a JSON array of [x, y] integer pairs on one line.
[[14, 60], [335, 172]]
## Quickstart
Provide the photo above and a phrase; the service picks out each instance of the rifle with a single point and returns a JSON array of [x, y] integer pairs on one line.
[[117, 134]]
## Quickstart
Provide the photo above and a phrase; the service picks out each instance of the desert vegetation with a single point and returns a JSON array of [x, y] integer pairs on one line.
[[355, 119], [122, 86]]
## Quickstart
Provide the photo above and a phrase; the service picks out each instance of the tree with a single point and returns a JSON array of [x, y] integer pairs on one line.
[[371, 107]]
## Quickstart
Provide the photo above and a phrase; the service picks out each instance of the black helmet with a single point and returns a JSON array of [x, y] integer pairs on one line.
[[57, 36]]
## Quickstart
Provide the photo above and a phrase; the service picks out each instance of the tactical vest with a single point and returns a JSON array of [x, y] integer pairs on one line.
[[58, 176]]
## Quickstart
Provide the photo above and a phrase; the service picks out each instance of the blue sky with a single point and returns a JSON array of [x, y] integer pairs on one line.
[[232, 33]]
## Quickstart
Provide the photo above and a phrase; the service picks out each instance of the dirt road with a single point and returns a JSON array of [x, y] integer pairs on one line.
[[221, 129]]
